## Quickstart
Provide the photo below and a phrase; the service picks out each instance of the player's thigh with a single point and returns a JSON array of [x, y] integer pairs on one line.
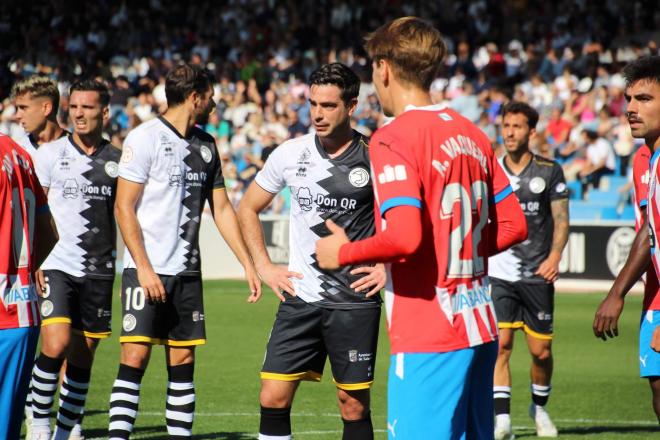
[[56, 302], [649, 359], [184, 311], [143, 321], [17, 347], [95, 299], [508, 304], [427, 395], [538, 310], [351, 340], [295, 349]]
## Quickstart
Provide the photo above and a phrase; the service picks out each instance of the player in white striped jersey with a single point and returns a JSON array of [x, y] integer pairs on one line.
[[169, 169], [37, 101], [323, 313], [79, 174]]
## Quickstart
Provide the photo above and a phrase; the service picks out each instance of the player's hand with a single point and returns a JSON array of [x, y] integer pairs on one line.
[[40, 279], [153, 287], [374, 279], [606, 322], [549, 269], [278, 278], [327, 248], [254, 282], [655, 340]]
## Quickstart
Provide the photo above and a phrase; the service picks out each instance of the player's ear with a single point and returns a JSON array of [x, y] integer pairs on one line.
[[532, 133], [106, 113], [352, 105], [47, 107]]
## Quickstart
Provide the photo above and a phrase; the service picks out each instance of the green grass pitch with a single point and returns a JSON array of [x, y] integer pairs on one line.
[[597, 393]]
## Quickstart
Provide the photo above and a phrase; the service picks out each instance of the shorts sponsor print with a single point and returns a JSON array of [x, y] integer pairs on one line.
[[83, 302], [529, 306], [304, 335], [178, 322]]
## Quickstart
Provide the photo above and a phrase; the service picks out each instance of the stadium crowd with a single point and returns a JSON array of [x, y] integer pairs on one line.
[[261, 52]]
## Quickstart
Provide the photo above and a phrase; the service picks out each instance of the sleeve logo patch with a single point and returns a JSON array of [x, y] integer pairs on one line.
[[359, 177], [561, 187], [127, 154], [392, 173]]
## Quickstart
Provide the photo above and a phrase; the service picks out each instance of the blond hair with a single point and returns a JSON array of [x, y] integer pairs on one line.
[[38, 86], [413, 48]]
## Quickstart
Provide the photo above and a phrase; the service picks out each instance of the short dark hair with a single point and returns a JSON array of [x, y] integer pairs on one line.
[[92, 85], [185, 79], [524, 108], [340, 75], [647, 68]]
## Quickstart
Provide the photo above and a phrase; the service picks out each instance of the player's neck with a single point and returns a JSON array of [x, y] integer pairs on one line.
[[180, 119], [653, 143], [337, 144], [402, 97], [516, 161], [50, 131], [88, 143]]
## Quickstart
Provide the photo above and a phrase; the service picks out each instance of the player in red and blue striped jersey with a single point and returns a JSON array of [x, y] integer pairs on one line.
[[27, 235], [643, 95], [444, 205]]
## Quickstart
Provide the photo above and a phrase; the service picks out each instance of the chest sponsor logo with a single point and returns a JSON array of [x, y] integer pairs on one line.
[[304, 197], [537, 185], [324, 203], [206, 153], [112, 169], [72, 190], [177, 177], [392, 174], [358, 177], [530, 207]]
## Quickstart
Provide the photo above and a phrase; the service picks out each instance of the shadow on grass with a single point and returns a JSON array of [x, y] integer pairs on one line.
[[595, 430], [160, 433]]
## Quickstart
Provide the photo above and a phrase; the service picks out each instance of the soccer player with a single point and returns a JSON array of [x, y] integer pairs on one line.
[[27, 234], [323, 313], [169, 169], [37, 100], [79, 176], [445, 205], [643, 112], [522, 277]]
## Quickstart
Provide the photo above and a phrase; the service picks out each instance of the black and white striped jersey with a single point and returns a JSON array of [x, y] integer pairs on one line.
[[537, 186], [322, 188], [81, 196], [179, 174]]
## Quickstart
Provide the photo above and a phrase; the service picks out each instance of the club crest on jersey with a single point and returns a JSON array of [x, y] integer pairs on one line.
[[129, 323], [304, 197], [206, 153], [47, 308], [176, 176], [304, 157], [537, 185], [70, 190], [358, 177], [112, 169]]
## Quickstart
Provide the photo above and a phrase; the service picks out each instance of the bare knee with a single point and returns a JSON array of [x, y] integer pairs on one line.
[[55, 340], [542, 355], [135, 355], [354, 404], [277, 393]]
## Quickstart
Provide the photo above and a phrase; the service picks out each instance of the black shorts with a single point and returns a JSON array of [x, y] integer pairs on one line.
[[529, 306], [304, 335], [83, 302], [178, 322]]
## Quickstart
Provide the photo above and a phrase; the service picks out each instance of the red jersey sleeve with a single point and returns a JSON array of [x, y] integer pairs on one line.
[[395, 173], [641, 176]]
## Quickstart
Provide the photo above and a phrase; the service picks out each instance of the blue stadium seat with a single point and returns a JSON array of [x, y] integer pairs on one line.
[[609, 198], [581, 210], [612, 183]]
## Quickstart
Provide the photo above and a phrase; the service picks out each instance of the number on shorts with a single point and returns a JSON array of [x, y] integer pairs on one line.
[[134, 298], [46, 293], [468, 204]]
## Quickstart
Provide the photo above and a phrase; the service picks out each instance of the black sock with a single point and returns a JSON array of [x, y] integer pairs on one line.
[[502, 400], [275, 421], [358, 429]]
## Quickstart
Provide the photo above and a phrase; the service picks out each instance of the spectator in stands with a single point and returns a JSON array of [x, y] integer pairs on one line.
[[599, 161]]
